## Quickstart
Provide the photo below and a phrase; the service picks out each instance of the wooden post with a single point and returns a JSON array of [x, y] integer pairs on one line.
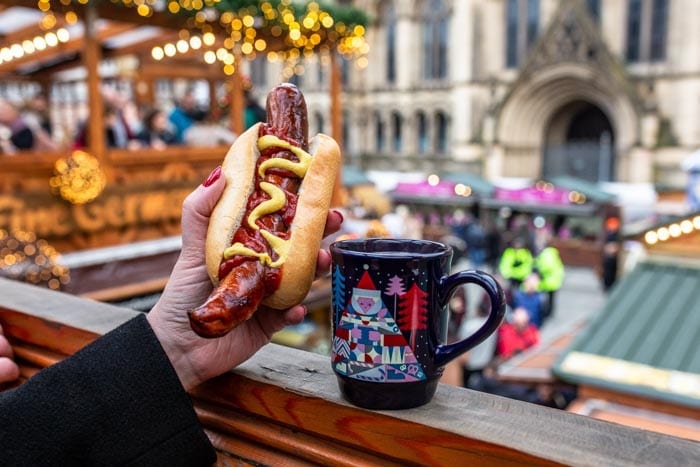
[[144, 87], [91, 57], [339, 192], [213, 104], [237, 97]]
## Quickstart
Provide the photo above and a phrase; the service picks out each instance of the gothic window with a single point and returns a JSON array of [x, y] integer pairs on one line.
[[319, 122], [422, 133], [258, 72], [396, 132], [346, 131], [378, 133], [435, 32], [522, 26], [321, 76], [441, 133], [390, 16], [647, 25], [296, 80], [594, 9], [659, 25], [344, 71]]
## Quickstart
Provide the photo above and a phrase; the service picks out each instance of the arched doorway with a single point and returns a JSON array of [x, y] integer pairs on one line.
[[580, 142]]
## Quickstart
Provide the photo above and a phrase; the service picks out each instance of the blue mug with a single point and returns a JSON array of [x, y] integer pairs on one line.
[[390, 319]]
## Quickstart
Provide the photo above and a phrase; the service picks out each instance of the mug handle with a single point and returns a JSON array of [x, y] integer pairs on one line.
[[446, 353]]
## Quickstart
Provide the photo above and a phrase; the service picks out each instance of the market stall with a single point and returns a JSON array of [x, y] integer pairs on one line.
[[79, 54]]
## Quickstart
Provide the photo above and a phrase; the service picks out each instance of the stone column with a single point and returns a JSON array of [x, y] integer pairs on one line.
[[613, 26], [408, 45]]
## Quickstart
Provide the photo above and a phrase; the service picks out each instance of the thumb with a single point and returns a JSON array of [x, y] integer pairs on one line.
[[196, 210]]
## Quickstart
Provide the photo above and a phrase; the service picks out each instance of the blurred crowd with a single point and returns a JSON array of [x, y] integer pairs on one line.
[[29, 127], [517, 251]]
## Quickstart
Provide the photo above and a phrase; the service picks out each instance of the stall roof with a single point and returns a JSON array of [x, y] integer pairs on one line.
[[353, 176], [480, 186], [645, 340], [591, 190]]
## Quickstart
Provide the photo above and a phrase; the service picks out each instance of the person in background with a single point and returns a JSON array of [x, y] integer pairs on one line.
[[611, 251], [156, 132], [184, 115], [122, 400], [481, 356], [516, 263], [36, 115], [494, 248], [15, 134], [517, 335], [476, 243], [9, 371], [253, 112], [530, 299], [208, 132], [550, 268]]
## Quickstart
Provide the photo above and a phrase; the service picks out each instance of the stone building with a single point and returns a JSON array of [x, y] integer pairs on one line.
[[601, 90]]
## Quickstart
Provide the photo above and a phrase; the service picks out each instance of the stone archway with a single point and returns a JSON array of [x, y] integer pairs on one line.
[[579, 141], [570, 64], [538, 113]]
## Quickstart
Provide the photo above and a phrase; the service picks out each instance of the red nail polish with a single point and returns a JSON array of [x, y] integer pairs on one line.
[[342, 218], [213, 176]]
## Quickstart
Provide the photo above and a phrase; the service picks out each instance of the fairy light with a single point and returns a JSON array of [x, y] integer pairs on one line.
[[25, 258], [157, 53], [30, 46], [63, 35], [170, 50], [78, 178], [209, 57], [195, 42]]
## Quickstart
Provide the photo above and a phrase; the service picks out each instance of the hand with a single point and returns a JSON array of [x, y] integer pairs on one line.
[[9, 371], [194, 358]]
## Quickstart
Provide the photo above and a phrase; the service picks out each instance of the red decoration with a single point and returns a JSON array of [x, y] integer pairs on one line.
[[413, 312]]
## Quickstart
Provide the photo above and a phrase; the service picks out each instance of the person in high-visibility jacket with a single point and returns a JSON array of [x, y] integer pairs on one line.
[[550, 268], [516, 263]]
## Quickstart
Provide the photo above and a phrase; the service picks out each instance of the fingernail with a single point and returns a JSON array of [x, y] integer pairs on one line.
[[342, 218], [213, 176]]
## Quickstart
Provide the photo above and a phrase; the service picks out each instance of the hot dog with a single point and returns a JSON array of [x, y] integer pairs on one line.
[[266, 229]]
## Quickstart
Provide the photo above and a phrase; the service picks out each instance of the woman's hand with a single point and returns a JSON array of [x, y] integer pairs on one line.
[[194, 358], [9, 371]]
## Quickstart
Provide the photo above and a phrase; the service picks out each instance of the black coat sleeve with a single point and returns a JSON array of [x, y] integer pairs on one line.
[[118, 401]]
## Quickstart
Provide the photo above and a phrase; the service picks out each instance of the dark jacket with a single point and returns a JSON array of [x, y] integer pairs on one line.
[[117, 401]]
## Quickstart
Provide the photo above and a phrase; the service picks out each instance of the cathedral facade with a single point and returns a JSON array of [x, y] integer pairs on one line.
[[604, 90]]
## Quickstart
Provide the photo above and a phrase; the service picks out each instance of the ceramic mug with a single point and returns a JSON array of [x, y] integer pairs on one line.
[[390, 319]]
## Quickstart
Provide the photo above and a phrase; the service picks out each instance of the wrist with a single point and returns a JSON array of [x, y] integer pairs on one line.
[[178, 357]]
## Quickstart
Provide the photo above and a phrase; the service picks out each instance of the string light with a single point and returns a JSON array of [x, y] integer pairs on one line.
[[303, 30], [78, 179], [30, 46], [674, 230], [24, 258]]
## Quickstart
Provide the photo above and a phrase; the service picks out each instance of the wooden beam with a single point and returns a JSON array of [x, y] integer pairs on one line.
[[92, 56], [287, 402], [339, 193], [72, 46], [237, 107], [144, 47], [29, 32], [153, 70]]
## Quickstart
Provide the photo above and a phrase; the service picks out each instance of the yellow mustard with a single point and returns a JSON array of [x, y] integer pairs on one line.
[[297, 168], [275, 203]]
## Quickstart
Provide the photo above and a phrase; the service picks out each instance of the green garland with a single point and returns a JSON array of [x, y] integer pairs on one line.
[[346, 14]]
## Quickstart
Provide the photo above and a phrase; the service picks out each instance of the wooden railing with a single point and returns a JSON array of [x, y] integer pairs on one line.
[[282, 407]]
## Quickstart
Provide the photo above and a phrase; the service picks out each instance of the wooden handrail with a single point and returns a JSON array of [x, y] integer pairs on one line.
[[283, 406]]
